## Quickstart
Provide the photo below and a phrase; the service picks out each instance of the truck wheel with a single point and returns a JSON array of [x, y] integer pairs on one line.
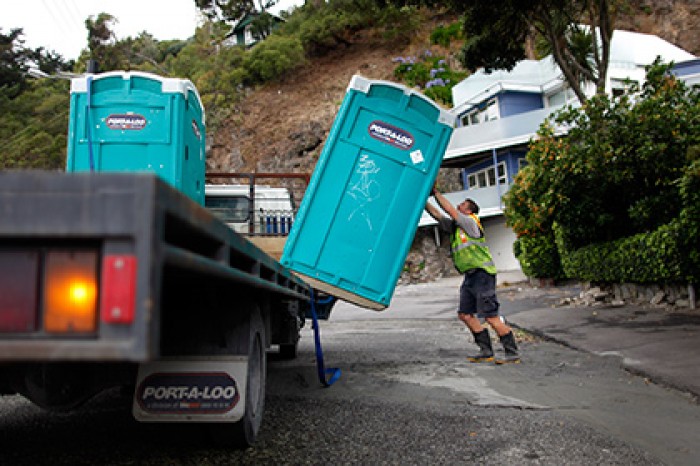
[[249, 338]]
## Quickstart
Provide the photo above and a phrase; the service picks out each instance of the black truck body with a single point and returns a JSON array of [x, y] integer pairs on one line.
[[171, 282]]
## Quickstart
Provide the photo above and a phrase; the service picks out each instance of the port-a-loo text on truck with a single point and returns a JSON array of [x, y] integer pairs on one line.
[[115, 274]]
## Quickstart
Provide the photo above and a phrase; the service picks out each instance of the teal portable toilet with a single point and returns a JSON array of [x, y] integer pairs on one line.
[[138, 122], [361, 209]]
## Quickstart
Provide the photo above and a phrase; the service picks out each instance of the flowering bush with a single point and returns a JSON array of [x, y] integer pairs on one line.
[[619, 186], [429, 73]]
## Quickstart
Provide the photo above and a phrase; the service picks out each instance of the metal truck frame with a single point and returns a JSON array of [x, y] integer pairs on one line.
[[170, 282]]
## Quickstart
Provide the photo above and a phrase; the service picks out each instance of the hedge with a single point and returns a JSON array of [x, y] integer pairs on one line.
[[655, 257]]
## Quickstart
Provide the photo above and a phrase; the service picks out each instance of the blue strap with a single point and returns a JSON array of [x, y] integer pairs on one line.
[[89, 123], [320, 367]]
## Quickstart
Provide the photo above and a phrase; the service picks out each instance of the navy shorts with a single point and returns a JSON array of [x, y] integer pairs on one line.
[[477, 295]]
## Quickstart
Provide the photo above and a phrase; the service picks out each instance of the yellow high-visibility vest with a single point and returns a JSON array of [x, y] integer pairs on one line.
[[471, 253]]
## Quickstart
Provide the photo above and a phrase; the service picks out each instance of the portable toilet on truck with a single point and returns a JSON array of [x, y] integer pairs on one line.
[[138, 122], [361, 209]]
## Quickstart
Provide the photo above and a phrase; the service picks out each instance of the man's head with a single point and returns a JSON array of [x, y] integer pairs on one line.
[[468, 206]]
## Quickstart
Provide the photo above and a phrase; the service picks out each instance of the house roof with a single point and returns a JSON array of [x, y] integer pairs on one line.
[[689, 71], [635, 48], [526, 76], [475, 140], [629, 50], [246, 20]]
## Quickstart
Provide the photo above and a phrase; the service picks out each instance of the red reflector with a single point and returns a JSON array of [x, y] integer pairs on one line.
[[118, 289], [18, 295]]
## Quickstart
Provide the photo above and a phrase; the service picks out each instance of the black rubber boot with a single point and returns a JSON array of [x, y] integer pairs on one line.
[[510, 348], [484, 341]]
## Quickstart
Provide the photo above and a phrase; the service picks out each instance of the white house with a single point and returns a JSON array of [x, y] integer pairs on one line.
[[499, 113]]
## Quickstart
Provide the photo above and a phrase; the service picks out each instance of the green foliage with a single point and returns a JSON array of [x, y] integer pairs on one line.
[[16, 60], [531, 200], [538, 256], [642, 258], [690, 216], [35, 114], [496, 34], [273, 58], [33, 126], [616, 172], [444, 35], [102, 43], [324, 26], [232, 10], [217, 71], [431, 73], [398, 23], [620, 187]]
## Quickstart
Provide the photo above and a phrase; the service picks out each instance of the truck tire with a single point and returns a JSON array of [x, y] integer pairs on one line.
[[249, 339]]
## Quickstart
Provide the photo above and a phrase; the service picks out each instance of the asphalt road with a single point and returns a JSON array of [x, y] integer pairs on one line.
[[406, 396]]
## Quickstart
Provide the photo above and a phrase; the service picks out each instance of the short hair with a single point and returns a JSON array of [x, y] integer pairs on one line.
[[473, 206]]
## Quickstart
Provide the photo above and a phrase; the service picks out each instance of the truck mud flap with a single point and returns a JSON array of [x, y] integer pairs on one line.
[[194, 389]]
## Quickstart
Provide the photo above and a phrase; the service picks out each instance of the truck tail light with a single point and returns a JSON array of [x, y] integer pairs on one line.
[[118, 289], [70, 302], [19, 271]]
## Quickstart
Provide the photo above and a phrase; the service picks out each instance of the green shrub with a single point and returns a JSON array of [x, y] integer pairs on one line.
[[399, 23], [430, 73], [655, 257], [273, 57], [616, 172], [690, 218], [538, 256], [443, 35]]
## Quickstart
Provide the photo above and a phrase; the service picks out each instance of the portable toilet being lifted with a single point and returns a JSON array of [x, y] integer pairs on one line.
[[138, 122], [359, 215]]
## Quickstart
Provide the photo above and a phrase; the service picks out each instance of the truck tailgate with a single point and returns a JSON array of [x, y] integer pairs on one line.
[[119, 232]]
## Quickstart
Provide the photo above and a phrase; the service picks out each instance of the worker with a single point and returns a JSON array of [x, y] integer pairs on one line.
[[477, 294]]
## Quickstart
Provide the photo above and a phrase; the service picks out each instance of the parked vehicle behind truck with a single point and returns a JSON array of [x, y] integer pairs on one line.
[[254, 209], [125, 279]]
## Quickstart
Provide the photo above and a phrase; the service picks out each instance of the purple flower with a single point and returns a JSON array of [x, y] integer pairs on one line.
[[434, 82]]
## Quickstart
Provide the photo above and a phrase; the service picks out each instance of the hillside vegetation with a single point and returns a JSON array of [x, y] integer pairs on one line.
[[270, 106]]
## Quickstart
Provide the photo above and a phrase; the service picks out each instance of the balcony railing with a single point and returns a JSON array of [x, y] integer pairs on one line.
[[489, 200]]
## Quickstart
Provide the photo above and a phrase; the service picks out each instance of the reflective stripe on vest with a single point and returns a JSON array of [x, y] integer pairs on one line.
[[471, 253]]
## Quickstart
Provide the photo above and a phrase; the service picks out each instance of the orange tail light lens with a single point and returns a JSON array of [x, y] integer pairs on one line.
[[70, 302]]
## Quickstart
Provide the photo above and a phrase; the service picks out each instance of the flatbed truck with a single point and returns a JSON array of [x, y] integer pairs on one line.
[[119, 279]]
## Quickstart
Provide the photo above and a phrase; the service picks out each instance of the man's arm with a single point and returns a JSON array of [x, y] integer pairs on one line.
[[445, 204], [433, 211]]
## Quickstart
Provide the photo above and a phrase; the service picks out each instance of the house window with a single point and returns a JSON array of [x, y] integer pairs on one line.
[[522, 163], [249, 39], [561, 97], [487, 177], [483, 113], [620, 87]]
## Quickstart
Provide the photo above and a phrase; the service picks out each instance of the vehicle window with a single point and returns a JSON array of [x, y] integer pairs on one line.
[[231, 209]]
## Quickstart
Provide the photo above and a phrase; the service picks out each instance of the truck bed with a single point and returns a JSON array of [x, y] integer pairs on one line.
[[184, 257]]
